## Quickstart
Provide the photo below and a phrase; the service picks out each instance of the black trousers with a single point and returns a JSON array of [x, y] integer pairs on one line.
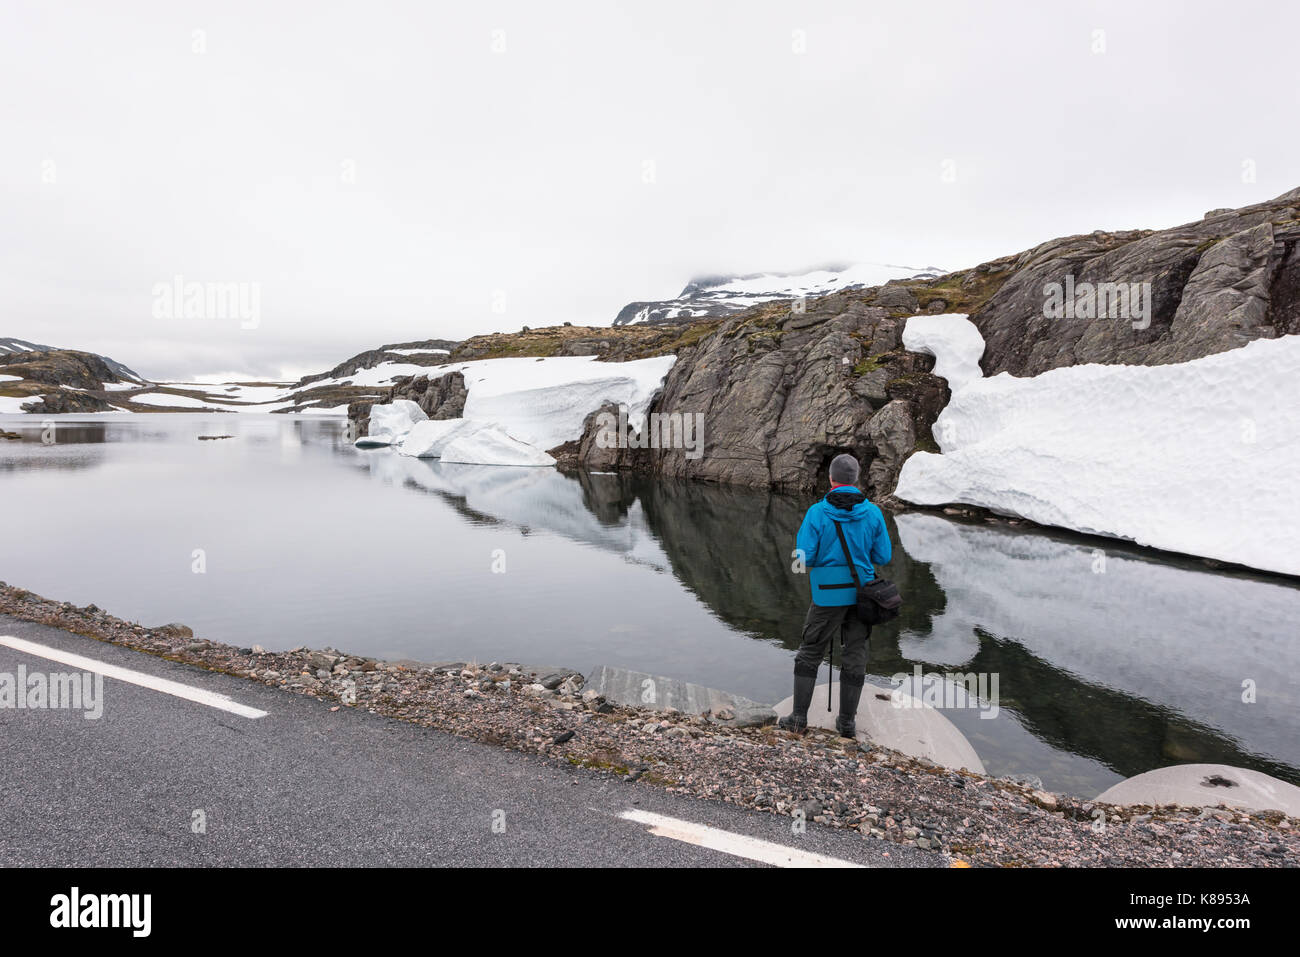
[[823, 625]]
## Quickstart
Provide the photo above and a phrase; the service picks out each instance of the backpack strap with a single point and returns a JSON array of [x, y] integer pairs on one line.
[[853, 569]]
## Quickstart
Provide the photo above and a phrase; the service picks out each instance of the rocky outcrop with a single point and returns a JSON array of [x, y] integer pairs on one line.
[[893, 434], [104, 368], [59, 380], [1216, 284], [783, 391], [784, 386], [373, 357], [62, 401], [61, 367], [589, 452], [610, 344], [442, 397]]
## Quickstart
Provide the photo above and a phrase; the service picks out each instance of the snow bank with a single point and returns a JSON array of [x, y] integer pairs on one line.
[[544, 402], [428, 439], [169, 399], [395, 419], [528, 404], [1197, 457], [490, 446]]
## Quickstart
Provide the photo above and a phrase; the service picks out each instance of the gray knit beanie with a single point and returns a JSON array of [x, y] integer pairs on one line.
[[844, 470]]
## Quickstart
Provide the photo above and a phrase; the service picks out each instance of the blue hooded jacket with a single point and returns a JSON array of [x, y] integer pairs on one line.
[[865, 532]]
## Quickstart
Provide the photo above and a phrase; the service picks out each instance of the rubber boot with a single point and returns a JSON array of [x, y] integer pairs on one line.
[[846, 721], [797, 719]]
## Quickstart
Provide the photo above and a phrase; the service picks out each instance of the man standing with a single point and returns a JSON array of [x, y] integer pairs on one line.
[[834, 596]]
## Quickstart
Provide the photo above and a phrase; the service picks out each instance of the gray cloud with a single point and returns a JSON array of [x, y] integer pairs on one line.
[[518, 177]]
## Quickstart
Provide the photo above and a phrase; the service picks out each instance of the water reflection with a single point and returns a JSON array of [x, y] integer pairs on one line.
[[1101, 674], [1110, 673]]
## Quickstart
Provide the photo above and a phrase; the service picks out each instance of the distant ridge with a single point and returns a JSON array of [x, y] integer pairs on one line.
[[11, 346], [711, 296]]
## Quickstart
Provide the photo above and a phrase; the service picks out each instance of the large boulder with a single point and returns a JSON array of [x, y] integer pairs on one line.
[[893, 434], [1216, 284], [783, 390], [775, 394], [442, 397]]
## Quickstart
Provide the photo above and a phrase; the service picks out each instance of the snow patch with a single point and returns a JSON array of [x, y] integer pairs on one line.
[[529, 402], [429, 438], [721, 295], [395, 419], [545, 402], [1196, 457], [490, 446], [955, 343], [169, 400]]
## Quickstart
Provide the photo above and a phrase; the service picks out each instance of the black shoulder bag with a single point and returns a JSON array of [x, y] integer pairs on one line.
[[878, 599]]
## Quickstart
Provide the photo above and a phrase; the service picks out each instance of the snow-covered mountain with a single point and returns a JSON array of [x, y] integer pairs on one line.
[[708, 296]]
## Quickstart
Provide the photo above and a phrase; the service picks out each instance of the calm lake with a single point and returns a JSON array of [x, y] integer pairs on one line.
[[1109, 664]]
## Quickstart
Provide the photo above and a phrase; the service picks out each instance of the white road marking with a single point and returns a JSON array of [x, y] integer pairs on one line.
[[174, 688], [738, 845]]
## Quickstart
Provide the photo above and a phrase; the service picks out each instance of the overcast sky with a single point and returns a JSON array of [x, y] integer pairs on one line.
[[389, 171]]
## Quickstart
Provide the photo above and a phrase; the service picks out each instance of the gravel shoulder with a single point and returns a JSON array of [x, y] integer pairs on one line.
[[881, 794]]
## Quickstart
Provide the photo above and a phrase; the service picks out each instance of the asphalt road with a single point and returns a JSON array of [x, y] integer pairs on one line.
[[304, 786]]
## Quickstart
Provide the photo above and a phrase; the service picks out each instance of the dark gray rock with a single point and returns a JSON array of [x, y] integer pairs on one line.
[[780, 396], [896, 296], [1217, 284], [893, 434], [442, 397]]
